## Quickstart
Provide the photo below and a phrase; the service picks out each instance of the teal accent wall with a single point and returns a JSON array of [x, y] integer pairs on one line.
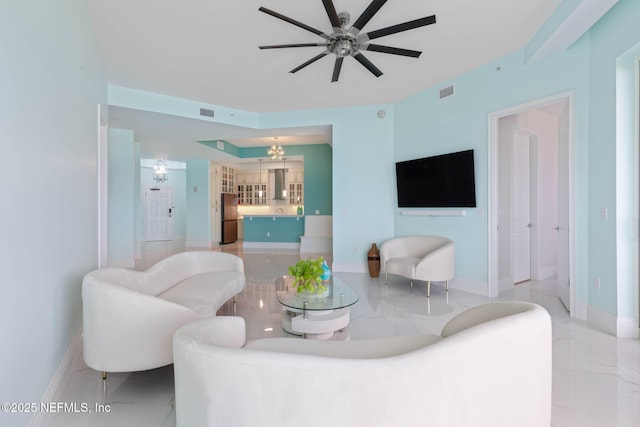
[[198, 204], [318, 173], [266, 229], [122, 199], [51, 83]]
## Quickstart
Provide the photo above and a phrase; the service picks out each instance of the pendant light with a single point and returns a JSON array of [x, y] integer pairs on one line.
[[284, 177], [260, 187]]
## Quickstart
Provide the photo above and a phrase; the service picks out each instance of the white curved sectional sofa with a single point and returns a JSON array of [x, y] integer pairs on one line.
[[427, 258], [489, 367], [129, 316]]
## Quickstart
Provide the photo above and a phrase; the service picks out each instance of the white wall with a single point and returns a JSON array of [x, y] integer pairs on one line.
[[51, 81]]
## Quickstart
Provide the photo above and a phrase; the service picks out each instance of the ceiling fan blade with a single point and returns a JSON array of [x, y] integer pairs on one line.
[[311, 61], [294, 22], [393, 50], [367, 64], [405, 26], [336, 69], [280, 46], [333, 15], [368, 13]]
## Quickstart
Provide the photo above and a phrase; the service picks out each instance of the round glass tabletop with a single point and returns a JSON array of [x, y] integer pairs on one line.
[[339, 295]]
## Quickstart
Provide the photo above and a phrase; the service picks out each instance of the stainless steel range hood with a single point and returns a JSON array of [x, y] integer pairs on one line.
[[279, 183]]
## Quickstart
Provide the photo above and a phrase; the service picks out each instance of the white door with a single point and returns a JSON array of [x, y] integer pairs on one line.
[[521, 207], [564, 290], [158, 203]]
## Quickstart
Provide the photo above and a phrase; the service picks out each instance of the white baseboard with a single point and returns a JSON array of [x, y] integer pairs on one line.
[[271, 245], [581, 311], [620, 327], [60, 380], [602, 320], [350, 267], [627, 328]]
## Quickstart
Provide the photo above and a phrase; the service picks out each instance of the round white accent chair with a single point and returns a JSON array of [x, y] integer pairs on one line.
[[426, 258]]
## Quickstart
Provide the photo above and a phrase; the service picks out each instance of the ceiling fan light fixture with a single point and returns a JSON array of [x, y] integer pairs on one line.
[[345, 41], [343, 47]]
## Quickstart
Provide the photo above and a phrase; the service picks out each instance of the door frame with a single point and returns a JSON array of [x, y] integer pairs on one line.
[[493, 118]]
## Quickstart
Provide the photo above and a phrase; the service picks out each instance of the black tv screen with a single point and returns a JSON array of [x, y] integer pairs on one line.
[[444, 181]]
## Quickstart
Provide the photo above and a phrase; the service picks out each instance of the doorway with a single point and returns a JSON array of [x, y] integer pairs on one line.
[[158, 213], [522, 190], [530, 151]]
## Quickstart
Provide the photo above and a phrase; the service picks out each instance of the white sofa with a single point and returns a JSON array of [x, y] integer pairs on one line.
[[427, 258], [490, 367], [129, 316]]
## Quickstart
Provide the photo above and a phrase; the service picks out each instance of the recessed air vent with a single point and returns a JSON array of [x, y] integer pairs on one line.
[[206, 112], [447, 91]]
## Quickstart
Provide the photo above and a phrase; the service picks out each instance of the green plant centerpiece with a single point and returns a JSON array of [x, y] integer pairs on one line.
[[307, 274]]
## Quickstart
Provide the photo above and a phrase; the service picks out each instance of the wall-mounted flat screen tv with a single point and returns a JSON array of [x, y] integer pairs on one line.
[[444, 181]]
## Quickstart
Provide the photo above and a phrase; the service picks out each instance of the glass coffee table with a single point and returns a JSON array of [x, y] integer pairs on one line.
[[313, 317]]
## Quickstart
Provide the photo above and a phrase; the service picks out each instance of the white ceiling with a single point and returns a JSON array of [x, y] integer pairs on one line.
[[163, 136], [207, 50]]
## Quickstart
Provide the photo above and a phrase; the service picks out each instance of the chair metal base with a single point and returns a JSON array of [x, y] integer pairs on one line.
[[386, 283]]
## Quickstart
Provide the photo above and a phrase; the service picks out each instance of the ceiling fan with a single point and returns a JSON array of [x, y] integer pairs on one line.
[[349, 41]]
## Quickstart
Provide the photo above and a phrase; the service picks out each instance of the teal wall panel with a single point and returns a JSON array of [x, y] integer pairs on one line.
[[268, 229], [318, 173]]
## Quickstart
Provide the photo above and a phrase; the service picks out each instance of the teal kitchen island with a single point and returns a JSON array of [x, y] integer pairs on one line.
[[273, 231]]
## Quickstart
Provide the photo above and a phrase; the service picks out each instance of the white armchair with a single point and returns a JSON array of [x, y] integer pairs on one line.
[[129, 316], [427, 258]]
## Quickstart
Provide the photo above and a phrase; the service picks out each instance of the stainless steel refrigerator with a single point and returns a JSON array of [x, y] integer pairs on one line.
[[229, 218]]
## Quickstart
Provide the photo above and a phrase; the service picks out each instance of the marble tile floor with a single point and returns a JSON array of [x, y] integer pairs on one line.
[[596, 377]]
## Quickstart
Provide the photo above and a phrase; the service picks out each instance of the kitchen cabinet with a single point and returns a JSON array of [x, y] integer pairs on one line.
[[249, 185], [295, 186], [228, 179]]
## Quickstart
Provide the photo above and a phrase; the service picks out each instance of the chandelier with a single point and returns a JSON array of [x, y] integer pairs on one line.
[[276, 151], [160, 171]]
